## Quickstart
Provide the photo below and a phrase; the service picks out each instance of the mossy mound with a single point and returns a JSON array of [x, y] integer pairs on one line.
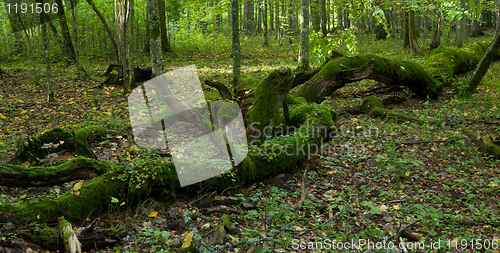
[[370, 102], [246, 84], [324, 114], [53, 141]]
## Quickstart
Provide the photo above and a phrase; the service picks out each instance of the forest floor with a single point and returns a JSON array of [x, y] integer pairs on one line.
[[424, 177]]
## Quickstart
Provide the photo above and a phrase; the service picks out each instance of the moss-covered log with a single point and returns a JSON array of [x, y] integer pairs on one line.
[[269, 97], [56, 140], [77, 168], [488, 142], [424, 80]]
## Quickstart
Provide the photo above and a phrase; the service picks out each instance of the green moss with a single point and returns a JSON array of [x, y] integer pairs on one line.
[[93, 195], [68, 234], [371, 102], [90, 134], [211, 96], [295, 101], [246, 84], [491, 149], [300, 114], [43, 233], [44, 173], [60, 139], [378, 112]]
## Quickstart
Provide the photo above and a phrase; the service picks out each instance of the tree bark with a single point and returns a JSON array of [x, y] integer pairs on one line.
[[50, 92], [484, 64], [155, 37], [459, 41], [323, 17], [64, 29], [304, 37], [165, 44], [236, 49], [264, 23], [413, 34]]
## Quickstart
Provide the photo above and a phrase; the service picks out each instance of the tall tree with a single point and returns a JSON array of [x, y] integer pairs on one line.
[[264, 20], [459, 41], [248, 16], [413, 34], [165, 45], [304, 36], [235, 32], [154, 37], [483, 65], [64, 29], [131, 75], [50, 93], [106, 27], [322, 4]]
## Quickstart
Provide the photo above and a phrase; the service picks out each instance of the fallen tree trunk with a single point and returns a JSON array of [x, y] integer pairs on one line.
[[77, 168], [424, 80]]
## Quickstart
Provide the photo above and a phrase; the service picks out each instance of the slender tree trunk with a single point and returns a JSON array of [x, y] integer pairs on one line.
[[264, 20], [236, 49], [323, 17], [340, 25], [483, 65], [290, 21], [132, 45], [459, 41], [64, 29], [436, 33], [406, 33], [304, 37], [48, 75], [277, 17], [248, 15], [413, 34], [106, 27], [271, 15], [147, 45], [165, 45], [155, 37]]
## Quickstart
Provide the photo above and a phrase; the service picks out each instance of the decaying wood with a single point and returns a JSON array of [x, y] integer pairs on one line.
[[224, 92], [83, 168]]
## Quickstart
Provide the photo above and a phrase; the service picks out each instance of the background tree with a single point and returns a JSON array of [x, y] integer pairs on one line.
[[304, 36], [235, 42], [155, 37]]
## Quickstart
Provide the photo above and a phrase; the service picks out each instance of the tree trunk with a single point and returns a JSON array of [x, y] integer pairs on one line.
[[235, 32], [106, 27], [413, 34], [155, 37], [271, 15], [277, 18], [304, 37], [340, 25], [132, 47], [165, 45], [147, 45], [423, 80], [64, 29], [436, 33], [50, 92], [406, 33], [483, 65], [248, 15], [459, 41], [322, 4], [264, 20]]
